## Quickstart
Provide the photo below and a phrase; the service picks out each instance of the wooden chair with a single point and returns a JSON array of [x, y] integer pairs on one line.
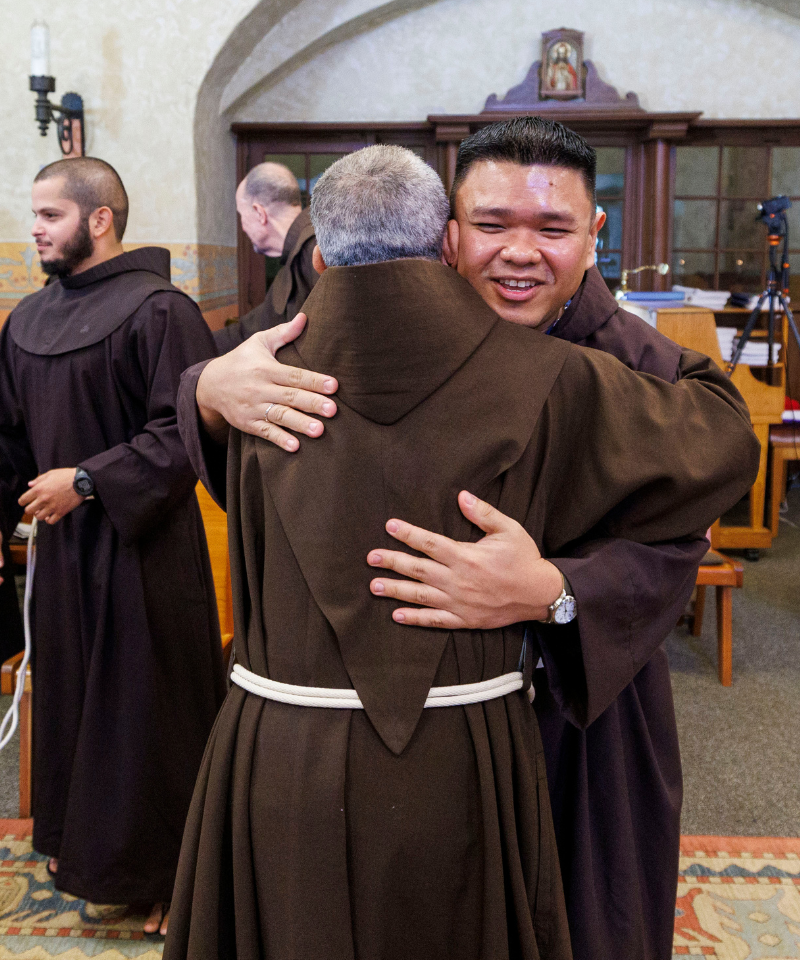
[[696, 329], [216, 526], [784, 446], [724, 576]]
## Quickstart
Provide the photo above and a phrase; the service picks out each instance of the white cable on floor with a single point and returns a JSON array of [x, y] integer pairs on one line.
[[12, 715]]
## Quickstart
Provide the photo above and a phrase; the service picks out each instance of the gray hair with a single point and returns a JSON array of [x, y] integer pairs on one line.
[[380, 203], [270, 183]]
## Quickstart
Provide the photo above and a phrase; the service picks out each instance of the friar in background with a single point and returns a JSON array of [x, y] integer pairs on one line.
[[127, 665], [394, 830], [269, 207], [523, 231]]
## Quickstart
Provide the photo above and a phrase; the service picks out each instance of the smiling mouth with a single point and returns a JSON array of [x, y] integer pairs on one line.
[[517, 289]]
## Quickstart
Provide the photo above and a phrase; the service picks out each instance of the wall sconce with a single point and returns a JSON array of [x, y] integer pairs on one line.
[[69, 116]]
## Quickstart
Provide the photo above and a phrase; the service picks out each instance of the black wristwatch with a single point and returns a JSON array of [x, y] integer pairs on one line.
[[83, 484]]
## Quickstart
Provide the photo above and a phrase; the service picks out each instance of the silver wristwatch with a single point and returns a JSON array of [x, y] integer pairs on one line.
[[564, 608]]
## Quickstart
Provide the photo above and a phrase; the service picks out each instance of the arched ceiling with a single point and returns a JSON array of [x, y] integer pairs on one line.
[[310, 27], [789, 7], [273, 40]]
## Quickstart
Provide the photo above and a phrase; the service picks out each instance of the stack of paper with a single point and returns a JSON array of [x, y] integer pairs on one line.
[[712, 299], [755, 353]]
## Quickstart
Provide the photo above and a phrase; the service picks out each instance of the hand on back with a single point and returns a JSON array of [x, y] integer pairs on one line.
[[252, 391]]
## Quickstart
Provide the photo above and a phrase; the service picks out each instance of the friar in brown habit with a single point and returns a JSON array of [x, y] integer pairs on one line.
[[127, 668], [268, 203], [523, 233], [390, 830]]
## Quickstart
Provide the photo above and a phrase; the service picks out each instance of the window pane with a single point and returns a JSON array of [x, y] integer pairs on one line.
[[793, 222], [319, 164], [744, 171], [610, 237], [695, 224], [693, 270], [738, 225], [741, 272], [296, 162], [786, 172], [610, 171], [610, 267], [696, 171]]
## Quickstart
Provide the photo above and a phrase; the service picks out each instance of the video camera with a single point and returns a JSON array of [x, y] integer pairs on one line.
[[772, 213]]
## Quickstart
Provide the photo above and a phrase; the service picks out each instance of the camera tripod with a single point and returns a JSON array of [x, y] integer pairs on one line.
[[776, 292]]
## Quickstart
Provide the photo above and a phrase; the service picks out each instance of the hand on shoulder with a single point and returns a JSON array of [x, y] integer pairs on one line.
[[252, 391]]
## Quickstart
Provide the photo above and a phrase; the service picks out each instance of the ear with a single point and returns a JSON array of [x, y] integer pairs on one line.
[[261, 213], [597, 226], [450, 245], [317, 262], [101, 221]]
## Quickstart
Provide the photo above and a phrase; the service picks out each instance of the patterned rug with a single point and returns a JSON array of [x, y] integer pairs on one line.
[[738, 898], [37, 922]]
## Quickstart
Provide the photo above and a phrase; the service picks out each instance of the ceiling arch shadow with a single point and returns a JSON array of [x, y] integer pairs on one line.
[[285, 42]]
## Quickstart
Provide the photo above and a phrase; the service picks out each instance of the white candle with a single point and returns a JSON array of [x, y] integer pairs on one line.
[[40, 50]]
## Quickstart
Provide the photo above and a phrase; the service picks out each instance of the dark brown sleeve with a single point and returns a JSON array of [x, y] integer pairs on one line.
[[663, 461], [630, 596], [207, 457], [138, 482], [644, 460], [17, 463]]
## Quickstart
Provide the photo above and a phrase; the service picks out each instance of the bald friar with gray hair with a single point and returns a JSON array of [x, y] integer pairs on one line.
[[269, 204]]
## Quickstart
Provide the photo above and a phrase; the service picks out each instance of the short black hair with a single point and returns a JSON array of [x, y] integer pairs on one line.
[[91, 183], [527, 141]]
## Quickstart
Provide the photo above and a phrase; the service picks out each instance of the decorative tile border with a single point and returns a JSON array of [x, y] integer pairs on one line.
[[206, 272]]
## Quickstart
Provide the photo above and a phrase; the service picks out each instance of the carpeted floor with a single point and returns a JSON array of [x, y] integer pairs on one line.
[[36, 921], [741, 744]]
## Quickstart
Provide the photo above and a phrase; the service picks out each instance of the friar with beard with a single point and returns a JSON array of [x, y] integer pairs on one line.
[[127, 673]]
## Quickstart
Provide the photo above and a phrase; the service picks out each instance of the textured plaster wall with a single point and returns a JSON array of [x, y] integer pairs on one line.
[[138, 66], [718, 56], [163, 80]]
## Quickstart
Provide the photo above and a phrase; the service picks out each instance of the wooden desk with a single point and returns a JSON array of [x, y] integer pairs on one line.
[[695, 329]]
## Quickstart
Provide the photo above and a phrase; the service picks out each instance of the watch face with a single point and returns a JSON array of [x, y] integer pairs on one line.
[[566, 611], [84, 486]]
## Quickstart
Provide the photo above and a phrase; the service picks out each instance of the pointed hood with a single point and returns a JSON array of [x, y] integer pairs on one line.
[[436, 393], [353, 332], [80, 310]]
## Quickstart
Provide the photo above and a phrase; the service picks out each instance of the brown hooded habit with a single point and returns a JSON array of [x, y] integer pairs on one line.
[[127, 668], [366, 833], [604, 700]]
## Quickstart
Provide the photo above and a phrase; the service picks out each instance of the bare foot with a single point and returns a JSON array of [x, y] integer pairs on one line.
[[52, 865], [158, 921]]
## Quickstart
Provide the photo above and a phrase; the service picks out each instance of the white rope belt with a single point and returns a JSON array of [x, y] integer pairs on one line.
[[455, 696]]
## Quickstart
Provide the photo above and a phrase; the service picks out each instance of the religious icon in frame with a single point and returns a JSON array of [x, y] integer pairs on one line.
[[562, 72]]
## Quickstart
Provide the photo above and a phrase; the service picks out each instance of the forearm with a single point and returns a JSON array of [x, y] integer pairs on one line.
[[538, 590]]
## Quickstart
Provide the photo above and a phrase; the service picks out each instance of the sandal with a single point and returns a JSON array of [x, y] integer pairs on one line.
[[158, 919]]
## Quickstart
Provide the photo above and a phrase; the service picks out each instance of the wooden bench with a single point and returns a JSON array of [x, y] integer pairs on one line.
[[724, 576]]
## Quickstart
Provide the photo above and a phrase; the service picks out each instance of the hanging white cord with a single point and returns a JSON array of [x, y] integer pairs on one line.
[[11, 719]]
